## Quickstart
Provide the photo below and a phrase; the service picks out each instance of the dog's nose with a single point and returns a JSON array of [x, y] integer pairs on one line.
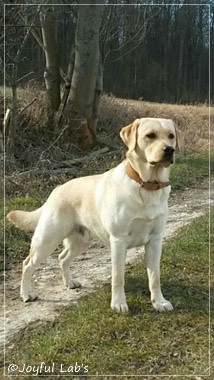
[[168, 150]]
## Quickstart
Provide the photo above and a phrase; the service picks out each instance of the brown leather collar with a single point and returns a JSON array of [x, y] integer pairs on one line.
[[147, 185]]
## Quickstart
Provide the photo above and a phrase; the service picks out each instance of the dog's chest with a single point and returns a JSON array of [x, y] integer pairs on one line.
[[140, 231], [146, 220]]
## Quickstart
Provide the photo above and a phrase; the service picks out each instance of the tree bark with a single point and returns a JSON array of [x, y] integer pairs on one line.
[[97, 100], [52, 72], [66, 88], [86, 81]]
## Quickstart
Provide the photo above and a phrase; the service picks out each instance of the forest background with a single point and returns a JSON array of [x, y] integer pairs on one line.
[[148, 52]]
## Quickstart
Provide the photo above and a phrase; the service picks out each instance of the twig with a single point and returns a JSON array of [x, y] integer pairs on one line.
[[53, 143], [6, 120], [81, 159], [28, 105], [25, 76]]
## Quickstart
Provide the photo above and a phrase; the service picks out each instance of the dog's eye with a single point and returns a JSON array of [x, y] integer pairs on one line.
[[151, 135], [171, 136]]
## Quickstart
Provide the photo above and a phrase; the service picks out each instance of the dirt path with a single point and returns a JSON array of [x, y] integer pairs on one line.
[[92, 269]]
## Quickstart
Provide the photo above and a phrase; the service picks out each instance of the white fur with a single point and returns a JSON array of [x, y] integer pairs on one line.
[[111, 207]]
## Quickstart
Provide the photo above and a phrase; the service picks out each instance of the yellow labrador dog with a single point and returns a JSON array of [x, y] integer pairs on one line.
[[125, 207]]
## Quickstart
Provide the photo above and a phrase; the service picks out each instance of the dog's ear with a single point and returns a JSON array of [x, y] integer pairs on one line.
[[179, 139], [129, 134]]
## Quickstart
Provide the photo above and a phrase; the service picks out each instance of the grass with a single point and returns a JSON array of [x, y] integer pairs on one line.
[[16, 252], [190, 169], [24, 94], [193, 121], [141, 342]]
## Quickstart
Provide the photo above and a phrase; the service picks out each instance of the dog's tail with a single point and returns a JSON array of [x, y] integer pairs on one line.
[[25, 220]]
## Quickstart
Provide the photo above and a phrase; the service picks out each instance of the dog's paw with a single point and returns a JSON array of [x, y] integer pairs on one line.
[[73, 284], [162, 306], [120, 307], [29, 297]]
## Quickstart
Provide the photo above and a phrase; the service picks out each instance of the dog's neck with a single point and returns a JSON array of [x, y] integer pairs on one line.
[[147, 172]]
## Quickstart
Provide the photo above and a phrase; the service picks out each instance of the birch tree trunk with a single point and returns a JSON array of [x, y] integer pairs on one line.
[[52, 72]]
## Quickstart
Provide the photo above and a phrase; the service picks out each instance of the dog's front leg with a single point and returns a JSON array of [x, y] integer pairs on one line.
[[152, 255], [118, 256]]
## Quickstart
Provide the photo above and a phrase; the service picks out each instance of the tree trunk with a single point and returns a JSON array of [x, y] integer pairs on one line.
[[66, 88], [13, 117], [52, 73], [181, 58], [97, 100], [86, 84]]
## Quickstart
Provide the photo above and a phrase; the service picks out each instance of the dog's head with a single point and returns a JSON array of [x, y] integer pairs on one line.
[[154, 140]]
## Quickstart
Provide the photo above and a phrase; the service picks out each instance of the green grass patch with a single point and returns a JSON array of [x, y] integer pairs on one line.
[[142, 342], [190, 169], [17, 242]]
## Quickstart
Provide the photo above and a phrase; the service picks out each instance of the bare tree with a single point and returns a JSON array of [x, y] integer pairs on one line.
[[86, 82], [52, 73], [13, 80]]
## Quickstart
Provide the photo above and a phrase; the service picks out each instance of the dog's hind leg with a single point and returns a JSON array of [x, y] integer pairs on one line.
[[48, 235], [74, 244], [39, 252], [65, 258]]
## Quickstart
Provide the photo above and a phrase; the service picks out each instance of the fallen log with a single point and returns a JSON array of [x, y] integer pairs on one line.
[[81, 159], [60, 168]]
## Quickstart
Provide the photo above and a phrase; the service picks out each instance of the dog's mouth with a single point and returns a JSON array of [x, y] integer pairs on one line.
[[164, 163], [165, 159]]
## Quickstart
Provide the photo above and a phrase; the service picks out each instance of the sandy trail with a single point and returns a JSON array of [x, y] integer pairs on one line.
[[92, 269]]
